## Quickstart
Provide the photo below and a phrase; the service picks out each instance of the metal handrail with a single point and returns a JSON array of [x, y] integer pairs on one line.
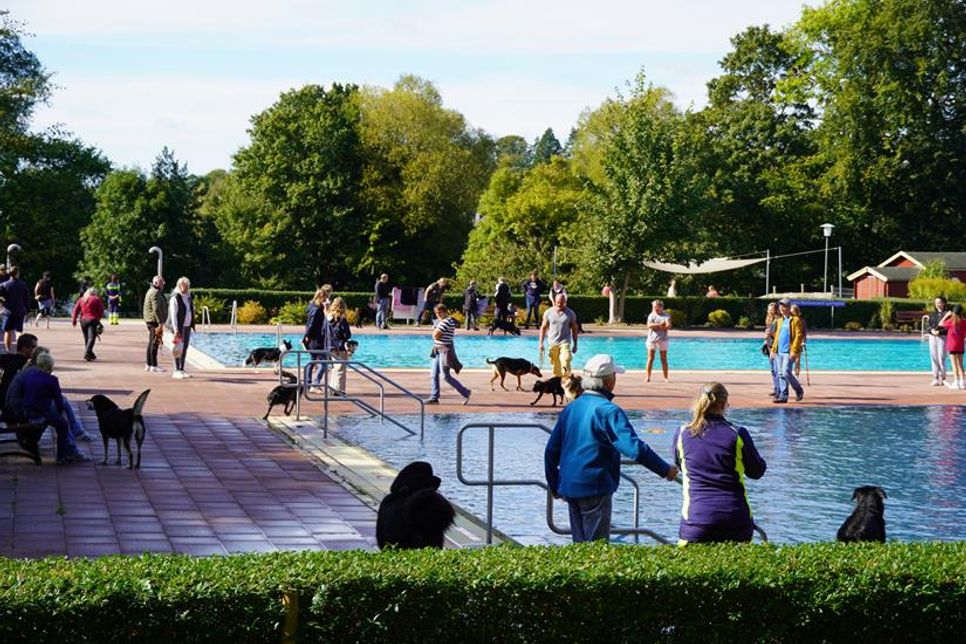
[[491, 482], [376, 377], [234, 316], [924, 328], [205, 319]]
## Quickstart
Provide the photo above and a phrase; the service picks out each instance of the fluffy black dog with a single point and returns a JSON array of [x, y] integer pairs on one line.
[[551, 386], [514, 366], [867, 521], [266, 354], [506, 326], [283, 395], [120, 424], [366, 314], [414, 514]]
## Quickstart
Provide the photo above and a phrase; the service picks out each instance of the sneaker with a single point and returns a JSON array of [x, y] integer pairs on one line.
[[157, 369], [780, 401], [178, 374], [84, 436], [315, 390], [148, 368], [76, 457], [185, 374], [951, 384], [431, 401], [466, 398], [936, 382], [799, 396]]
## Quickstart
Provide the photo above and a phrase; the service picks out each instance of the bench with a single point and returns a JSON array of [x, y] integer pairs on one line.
[[26, 441], [912, 318]]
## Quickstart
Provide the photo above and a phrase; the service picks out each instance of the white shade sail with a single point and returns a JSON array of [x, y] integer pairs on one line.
[[716, 265]]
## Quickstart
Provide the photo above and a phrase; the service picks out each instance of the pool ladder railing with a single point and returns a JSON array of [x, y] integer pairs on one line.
[[324, 360], [490, 482], [205, 319]]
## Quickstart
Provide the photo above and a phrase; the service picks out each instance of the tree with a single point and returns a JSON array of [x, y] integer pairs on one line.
[[511, 150], [647, 208], [294, 211], [545, 148], [23, 81]]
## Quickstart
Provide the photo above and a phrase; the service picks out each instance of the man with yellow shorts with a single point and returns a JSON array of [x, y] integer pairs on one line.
[[559, 327]]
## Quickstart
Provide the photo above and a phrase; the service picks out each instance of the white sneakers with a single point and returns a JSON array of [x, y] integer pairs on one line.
[[936, 382], [956, 384], [154, 369], [181, 375]]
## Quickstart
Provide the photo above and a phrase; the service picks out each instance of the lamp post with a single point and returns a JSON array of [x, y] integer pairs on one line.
[[11, 249], [827, 231], [155, 249]]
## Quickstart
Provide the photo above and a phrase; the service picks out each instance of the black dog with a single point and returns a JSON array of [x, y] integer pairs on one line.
[[120, 424], [414, 514], [550, 386], [506, 326], [366, 314], [514, 366], [866, 523], [266, 354], [283, 395]]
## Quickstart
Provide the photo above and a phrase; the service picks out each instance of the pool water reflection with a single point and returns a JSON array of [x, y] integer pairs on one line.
[[815, 456]]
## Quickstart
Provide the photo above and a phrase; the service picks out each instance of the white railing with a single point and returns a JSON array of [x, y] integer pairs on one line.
[[234, 316], [205, 319]]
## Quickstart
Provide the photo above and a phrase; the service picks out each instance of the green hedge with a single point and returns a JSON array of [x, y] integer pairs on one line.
[[591, 592], [592, 307]]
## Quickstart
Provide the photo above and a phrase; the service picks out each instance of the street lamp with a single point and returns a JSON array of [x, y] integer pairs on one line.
[[827, 231], [11, 249], [155, 249]]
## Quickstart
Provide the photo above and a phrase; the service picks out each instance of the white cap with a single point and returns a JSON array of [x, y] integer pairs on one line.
[[601, 365]]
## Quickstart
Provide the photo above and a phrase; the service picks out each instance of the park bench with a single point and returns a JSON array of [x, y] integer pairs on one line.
[[912, 318], [25, 442]]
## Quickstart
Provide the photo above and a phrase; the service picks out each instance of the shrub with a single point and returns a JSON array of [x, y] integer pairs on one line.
[[886, 314], [588, 592], [720, 318], [929, 288], [217, 308], [352, 316], [888, 326], [745, 322], [853, 326], [251, 312], [291, 313], [905, 328], [678, 318], [874, 322]]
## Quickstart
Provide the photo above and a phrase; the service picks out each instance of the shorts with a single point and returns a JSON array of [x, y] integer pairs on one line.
[[12, 322], [660, 345], [46, 307], [956, 353]]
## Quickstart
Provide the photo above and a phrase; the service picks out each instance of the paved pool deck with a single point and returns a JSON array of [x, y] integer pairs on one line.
[[215, 479]]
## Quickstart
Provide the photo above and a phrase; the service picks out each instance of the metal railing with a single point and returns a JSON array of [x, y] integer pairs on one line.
[[205, 319], [490, 483], [306, 360], [924, 328], [234, 316]]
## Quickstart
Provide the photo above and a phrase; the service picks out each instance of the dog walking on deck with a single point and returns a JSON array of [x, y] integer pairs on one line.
[[121, 425]]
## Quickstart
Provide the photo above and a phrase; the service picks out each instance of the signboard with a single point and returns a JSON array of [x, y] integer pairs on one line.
[[832, 303]]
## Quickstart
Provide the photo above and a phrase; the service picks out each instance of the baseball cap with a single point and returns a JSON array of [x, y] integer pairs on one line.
[[785, 301], [601, 365]]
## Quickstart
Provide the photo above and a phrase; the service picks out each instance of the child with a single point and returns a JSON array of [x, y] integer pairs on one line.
[[955, 339], [113, 292]]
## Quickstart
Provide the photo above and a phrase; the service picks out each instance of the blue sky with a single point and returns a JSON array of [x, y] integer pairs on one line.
[[134, 76]]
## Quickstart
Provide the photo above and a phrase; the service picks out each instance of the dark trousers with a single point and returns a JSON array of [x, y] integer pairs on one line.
[[533, 311], [89, 329], [151, 359], [185, 339]]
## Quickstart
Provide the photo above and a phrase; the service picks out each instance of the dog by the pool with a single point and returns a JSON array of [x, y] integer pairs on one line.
[[414, 514], [867, 521]]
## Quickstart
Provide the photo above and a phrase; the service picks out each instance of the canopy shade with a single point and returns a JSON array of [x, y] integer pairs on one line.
[[716, 265]]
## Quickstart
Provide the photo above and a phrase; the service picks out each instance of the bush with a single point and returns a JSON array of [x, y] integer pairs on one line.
[[905, 328], [929, 288], [720, 318], [251, 312], [853, 326], [886, 314], [291, 313], [352, 316], [217, 308], [589, 592], [745, 322], [875, 322], [677, 317]]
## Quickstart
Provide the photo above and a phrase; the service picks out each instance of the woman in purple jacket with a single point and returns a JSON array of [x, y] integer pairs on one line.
[[715, 456]]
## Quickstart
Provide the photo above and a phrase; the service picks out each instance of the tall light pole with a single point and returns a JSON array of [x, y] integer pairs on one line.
[[12, 248], [827, 231], [155, 249]]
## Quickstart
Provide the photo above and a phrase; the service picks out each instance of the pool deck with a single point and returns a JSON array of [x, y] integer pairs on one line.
[[214, 479]]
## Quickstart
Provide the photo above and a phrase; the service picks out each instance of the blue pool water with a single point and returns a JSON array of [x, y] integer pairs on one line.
[[815, 457], [403, 350]]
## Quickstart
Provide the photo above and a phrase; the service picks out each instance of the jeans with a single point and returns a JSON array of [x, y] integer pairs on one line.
[[938, 356], [151, 357], [786, 377], [185, 339], [382, 312], [590, 518], [439, 367], [533, 310], [89, 329], [470, 315], [773, 364], [65, 446], [73, 424]]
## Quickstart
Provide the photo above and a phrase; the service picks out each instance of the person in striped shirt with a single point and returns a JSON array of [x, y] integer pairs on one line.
[[444, 356], [715, 456]]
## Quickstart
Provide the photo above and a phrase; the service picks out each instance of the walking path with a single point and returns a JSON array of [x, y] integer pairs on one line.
[[215, 480]]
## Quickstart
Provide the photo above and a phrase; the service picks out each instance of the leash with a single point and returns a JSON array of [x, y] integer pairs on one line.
[[808, 376]]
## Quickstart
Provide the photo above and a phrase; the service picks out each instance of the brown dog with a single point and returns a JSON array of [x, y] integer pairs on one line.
[[572, 386], [514, 366]]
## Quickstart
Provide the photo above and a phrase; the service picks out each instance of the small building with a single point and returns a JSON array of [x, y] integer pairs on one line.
[[891, 278]]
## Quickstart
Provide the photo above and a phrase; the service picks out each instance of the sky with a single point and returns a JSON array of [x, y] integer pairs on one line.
[[132, 76]]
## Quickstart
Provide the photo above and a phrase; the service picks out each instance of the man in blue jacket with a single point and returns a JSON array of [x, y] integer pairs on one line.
[[582, 460]]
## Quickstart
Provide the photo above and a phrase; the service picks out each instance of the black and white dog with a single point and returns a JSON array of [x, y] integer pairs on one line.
[[266, 354], [867, 521]]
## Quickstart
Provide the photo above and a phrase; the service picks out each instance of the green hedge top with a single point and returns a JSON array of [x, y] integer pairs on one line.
[[591, 592]]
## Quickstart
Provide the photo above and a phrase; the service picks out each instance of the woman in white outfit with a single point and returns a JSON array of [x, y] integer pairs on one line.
[[181, 319]]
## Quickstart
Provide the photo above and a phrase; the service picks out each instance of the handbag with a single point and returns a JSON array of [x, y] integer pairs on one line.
[[765, 349], [178, 347]]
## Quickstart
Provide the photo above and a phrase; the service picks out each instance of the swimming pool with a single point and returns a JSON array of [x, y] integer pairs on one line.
[[714, 354], [815, 456]]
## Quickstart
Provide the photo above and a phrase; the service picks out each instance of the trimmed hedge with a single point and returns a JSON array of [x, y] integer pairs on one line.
[[590, 592], [591, 307]]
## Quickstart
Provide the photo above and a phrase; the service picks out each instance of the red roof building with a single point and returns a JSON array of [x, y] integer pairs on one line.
[[891, 278]]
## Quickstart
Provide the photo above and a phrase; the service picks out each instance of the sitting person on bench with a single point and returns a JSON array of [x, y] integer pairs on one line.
[[35, 395]]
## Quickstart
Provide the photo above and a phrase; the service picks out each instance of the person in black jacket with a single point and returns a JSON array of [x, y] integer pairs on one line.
[[937, 343], [16, 301], [471, 298], [335, 334], [383, 295], [533, 288], [181, 319], [501, 300], [313, 340]]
